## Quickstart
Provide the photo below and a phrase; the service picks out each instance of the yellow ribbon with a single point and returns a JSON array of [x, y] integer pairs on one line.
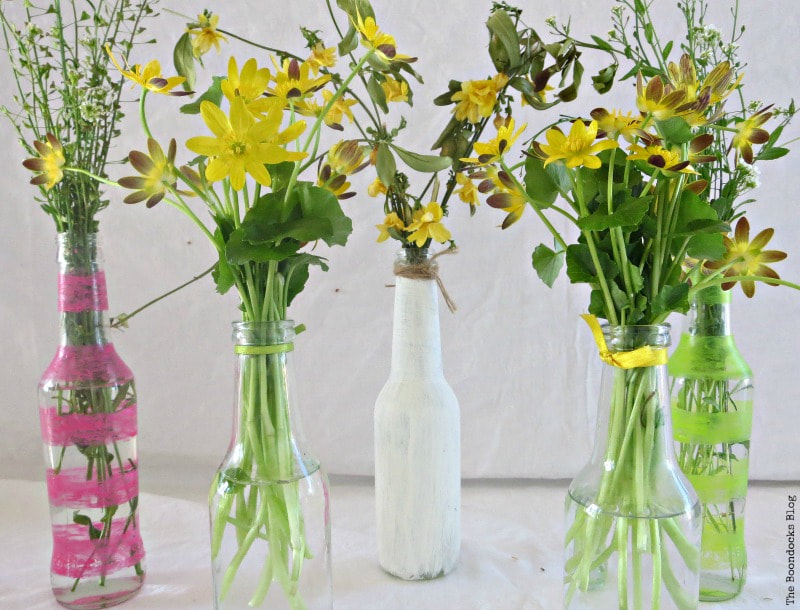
[[634, 359], [263, 350]]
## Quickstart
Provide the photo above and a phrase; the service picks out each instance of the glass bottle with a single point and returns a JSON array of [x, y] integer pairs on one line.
[[88, 415], [269, 503], [633, 520], [712, 398], [417, 437]]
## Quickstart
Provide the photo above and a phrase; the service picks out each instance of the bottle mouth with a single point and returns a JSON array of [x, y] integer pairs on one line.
[[277, 332], [629, 337]]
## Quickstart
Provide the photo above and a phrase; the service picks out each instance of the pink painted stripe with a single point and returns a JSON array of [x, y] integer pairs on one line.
[[88, 363], [69, 488], [91, 429], [76, 555], [82, 292]]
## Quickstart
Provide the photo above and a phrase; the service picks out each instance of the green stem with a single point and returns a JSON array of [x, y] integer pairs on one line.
[[123, 319], [143, 113]]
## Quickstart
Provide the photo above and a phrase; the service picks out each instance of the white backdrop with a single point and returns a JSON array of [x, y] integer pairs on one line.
[[516, 353]]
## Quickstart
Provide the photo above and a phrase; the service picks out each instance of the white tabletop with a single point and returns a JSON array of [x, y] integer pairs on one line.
[[511, 551]]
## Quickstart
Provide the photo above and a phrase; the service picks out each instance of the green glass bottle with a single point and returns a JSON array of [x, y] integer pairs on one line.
[[712, 414]]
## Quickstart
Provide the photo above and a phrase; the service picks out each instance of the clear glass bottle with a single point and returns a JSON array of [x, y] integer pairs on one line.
[[417, 437], [712, 411], [633, 520], [269, 503], [88, 415]]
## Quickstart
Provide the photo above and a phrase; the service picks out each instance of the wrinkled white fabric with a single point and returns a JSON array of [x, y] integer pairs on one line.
[[511, 552]]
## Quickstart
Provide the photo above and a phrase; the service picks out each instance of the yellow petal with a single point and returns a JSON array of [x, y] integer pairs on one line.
[[218, 169], [215, 119]]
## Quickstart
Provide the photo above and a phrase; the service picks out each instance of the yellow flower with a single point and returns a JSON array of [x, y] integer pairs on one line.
[[748, 257], [321, 58], [157, 173], [249, 84], [478, 98], [48, 164], [576, 149], [335, 183], [205, 34], [392, 221], [506, 197], [344, 159], [749, 132], [659, 100], [150, 76], [661, 158], [243, 145], [467, 192], [335, 116], [293, 82], [383, 44], [720, 82], [614, 124], [376, 188], [493, 150], [427, 225], [395, 90]]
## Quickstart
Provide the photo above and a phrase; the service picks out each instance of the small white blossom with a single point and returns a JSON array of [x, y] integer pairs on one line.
[[551, 21], [751, 176]]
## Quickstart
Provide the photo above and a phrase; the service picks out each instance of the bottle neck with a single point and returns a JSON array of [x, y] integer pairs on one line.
[[634, 408], [82, 292], [710, 313], [416, 343]]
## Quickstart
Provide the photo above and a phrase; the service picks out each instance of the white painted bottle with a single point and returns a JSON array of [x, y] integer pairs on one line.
[[417, 437]]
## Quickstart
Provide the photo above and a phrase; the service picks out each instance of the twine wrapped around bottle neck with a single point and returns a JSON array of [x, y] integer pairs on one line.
[[428, 270]]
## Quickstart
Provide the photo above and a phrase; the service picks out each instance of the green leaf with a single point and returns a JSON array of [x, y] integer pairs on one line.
[[377, 94], [768, 154], [581, 268], [354, 8], [539, 183], [386, 164], [238, 251], [675, 130], [569, 93], [629, 214], [637, 281], [560, 175], [183, 58], [602, 44], [349, 43], [501, 26], [667, 50], [603, 81], [696, 216], [295, 270], [310, 214], [222, 274], [709, 246], [547, 263], [422, 163], [672, 298], [213, 95]]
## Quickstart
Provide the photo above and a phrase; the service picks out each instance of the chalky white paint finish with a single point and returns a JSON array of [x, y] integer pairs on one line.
[[417, 445]]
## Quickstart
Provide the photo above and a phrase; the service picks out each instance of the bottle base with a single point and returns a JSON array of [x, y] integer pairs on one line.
[[412, 575], [113, 594]]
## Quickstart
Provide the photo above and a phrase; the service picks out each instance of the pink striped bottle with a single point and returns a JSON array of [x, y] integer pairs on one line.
[[87, 409]]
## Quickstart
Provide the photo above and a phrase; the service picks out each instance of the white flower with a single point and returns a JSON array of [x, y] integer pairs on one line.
[[751, 176], [551, 21]]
